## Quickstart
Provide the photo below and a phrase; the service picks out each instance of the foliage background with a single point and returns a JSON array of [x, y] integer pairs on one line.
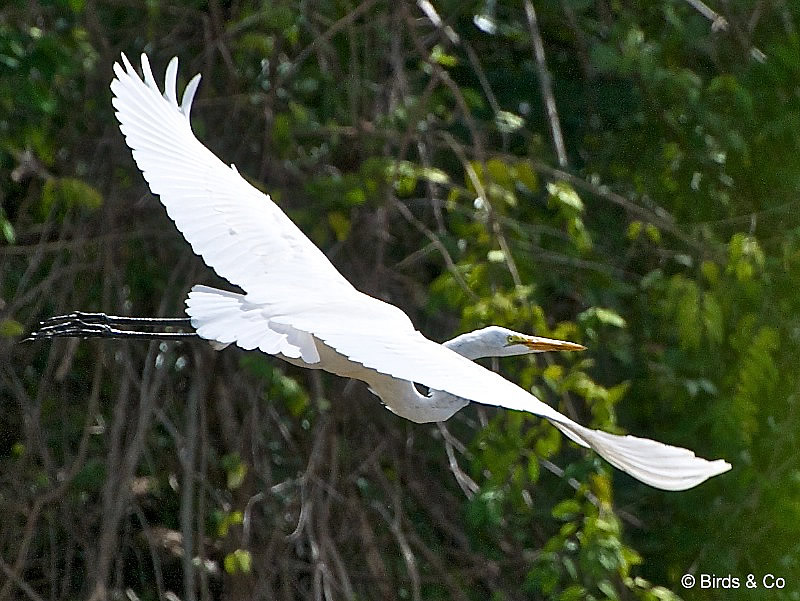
[[651, 214]]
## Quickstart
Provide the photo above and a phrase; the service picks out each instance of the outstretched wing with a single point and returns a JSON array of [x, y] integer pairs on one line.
[[395, 349], [237, 229], [248, 240]]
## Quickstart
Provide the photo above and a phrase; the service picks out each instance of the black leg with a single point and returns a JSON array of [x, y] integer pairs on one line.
[[80, 324]]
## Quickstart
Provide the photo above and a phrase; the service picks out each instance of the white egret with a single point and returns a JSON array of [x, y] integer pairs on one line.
[[298, 307]]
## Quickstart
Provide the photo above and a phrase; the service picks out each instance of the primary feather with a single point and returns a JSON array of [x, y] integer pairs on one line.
[[238, 231], [299, 307]]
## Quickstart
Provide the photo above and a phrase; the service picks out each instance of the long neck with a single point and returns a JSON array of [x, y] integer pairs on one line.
[[469, 345], [403, 398]]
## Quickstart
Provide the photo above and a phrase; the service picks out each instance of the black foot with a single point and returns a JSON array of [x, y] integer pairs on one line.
[[80, 324]]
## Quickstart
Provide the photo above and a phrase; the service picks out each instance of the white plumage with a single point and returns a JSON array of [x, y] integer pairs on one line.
[[297, 306]]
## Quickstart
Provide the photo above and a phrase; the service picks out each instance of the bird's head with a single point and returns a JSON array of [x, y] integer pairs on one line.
[[505, 342]]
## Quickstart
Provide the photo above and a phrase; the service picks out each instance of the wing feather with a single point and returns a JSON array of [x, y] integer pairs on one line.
[[249, 241], [403, 353], [237, 229]]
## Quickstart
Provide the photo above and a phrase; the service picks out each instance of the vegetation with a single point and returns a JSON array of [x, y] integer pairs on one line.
[[620, 174]]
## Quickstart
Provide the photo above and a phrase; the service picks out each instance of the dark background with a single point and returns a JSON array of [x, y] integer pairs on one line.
[[412, 142]]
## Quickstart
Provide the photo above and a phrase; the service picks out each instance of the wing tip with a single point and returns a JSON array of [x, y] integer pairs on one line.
[[656, 464], [126, 72], [170, 82]]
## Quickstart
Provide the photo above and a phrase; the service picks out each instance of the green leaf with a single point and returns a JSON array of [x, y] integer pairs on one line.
[[281, 135], [486, 508], [244, 561], [340, 224], [607, 589], [602, 315], [544, 575], [9, 328], [745, 257], [533, 469], [569, 564], [563, 193], [508, 122], [230, 563], [500, 173], [566, 510], [548, 442], [710, 271], [609, 317], [757, 378], [433, 175], [61, 194], [634, 230], [355, 196], [403, 176], [236, 470], [495, 256], [91, 476], [438, 55], [573, 593], [17, 450], [7, 228], [228, 519], [526, 176], [653, 233]]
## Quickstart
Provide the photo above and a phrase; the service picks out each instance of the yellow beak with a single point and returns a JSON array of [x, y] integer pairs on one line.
[[536, 343]]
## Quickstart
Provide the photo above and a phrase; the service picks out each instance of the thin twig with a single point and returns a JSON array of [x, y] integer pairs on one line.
[[718, 22], [721, 23], [448, 260], [497, 228], [467, 484], [546, 84]]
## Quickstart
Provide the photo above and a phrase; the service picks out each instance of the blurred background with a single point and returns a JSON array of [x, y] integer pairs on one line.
[[620, 174]]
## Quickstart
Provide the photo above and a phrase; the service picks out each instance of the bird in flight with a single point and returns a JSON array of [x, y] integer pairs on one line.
[[298, 307]]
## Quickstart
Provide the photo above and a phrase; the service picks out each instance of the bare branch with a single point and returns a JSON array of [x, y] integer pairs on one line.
[[546, 84]]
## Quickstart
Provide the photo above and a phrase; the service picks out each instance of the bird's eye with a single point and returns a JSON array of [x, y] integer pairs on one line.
[[510, 339]]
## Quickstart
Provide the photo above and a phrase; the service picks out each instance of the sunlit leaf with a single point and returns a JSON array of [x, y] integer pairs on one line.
[[438, 55], [565, 194], [602, 315], [9, 328], [566, 509], [508, 122]]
